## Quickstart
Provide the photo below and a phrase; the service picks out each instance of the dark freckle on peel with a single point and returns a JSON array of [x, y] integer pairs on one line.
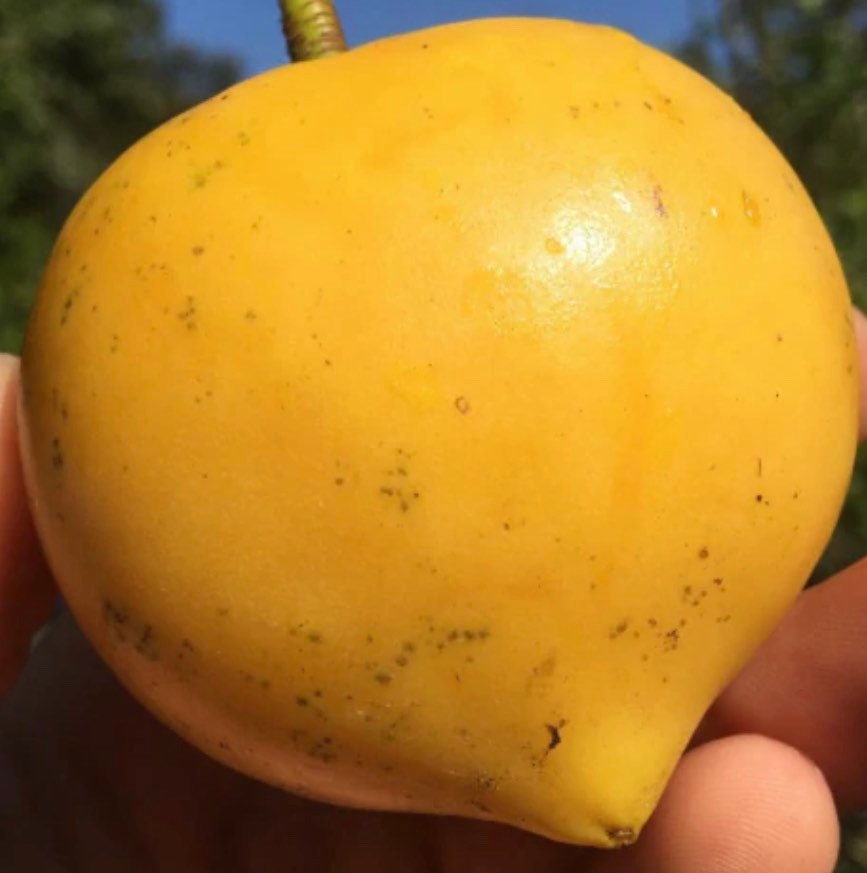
[[57, 459], [554, 736], [659, 203], [198, 250], [704, 554], [462, 405]]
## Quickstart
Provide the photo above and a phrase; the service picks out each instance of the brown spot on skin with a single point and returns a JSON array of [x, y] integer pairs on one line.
[[198, 250], [546, 667], [555, 737], [704, 554], [382, 678], [462, 405], [146, 644], [618, 630], [57, 460]]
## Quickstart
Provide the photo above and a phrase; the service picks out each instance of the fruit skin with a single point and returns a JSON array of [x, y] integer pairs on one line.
[[421, 429]]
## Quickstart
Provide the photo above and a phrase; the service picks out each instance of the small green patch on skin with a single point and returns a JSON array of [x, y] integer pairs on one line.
[[68, 302]]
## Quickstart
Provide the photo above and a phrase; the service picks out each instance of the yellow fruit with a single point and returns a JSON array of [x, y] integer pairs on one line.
[[441, 425]]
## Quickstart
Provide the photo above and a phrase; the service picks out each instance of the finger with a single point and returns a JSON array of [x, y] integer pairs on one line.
[[744, 804], [860, 324], [808, 685], [26, 589]]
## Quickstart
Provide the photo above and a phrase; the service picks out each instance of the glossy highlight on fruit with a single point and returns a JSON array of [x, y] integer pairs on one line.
[[420, 429]]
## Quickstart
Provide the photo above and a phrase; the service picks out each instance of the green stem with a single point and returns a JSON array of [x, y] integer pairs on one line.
[[312, 29]]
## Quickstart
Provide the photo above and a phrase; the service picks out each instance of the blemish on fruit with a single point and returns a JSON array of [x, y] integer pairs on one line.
[[621, 837], [618, 630], [188, 314], [68, 302], [751, 209], [554, 246], [462, 405], [703, 553], [57, 460], [198, 250], [116, 617], [659, 203], [382, 678], [671, 640], [554, 735], [146, 643]]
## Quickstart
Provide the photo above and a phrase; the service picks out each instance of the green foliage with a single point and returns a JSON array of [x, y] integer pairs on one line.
[[797, 66], [80, 80]]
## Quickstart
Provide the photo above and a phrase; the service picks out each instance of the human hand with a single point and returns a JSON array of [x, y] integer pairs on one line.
[[90, 781]]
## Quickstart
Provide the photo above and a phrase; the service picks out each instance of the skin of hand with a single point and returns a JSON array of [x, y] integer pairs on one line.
[[90, 781]]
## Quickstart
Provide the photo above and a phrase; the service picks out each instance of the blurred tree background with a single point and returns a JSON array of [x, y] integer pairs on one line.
[[82, 79]]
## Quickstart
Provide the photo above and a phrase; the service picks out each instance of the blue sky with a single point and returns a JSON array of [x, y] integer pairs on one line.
[[249, 28]]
